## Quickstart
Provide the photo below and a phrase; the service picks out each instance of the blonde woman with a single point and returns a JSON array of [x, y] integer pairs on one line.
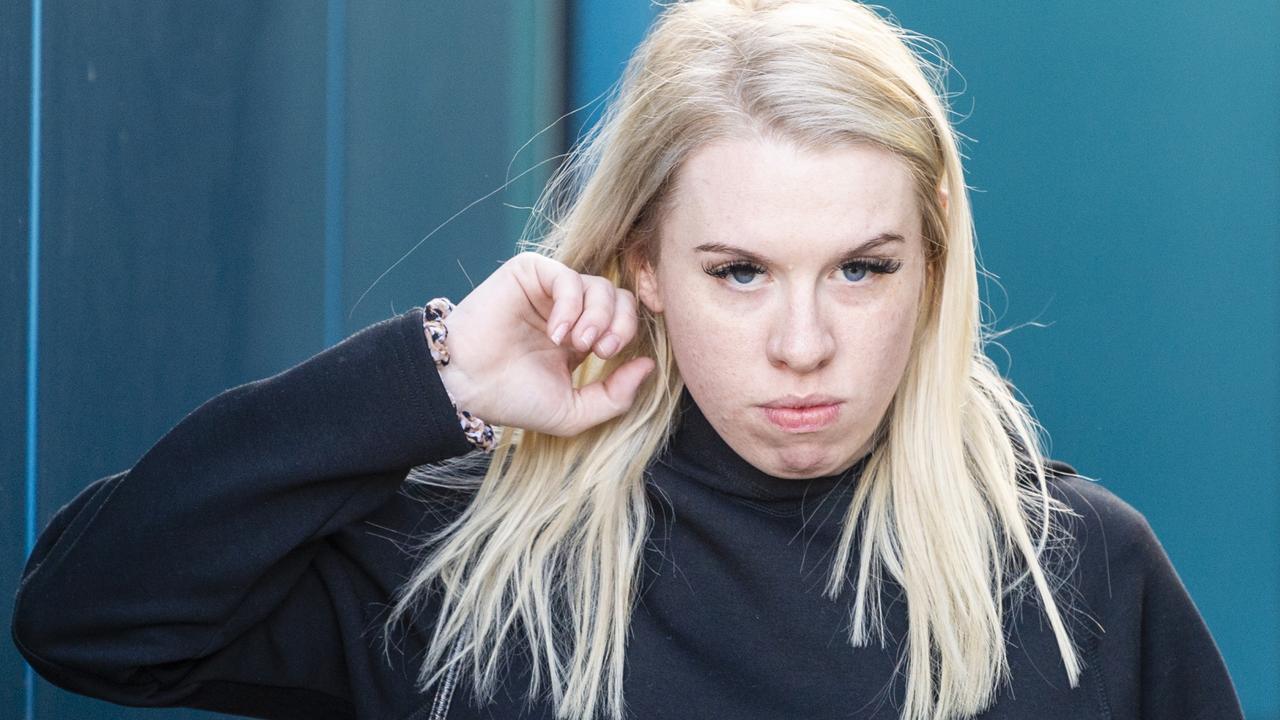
[[722, 443]]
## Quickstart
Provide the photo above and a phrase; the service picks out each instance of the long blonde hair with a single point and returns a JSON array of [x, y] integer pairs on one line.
[[953, 501]]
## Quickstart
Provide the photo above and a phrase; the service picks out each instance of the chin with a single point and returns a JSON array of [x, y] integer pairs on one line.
[[800, 463]]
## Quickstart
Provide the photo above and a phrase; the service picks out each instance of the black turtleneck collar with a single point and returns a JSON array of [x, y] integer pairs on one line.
[[698, 452]]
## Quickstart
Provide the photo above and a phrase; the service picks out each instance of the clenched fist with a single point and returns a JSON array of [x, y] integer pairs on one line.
[[517, 337]]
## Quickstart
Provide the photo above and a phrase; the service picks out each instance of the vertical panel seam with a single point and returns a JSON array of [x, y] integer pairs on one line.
[[33, 314]]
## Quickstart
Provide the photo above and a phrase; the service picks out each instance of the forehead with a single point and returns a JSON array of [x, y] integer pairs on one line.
[[775, 194]]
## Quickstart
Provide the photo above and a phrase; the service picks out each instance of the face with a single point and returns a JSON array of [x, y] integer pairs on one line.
[[789, 282]]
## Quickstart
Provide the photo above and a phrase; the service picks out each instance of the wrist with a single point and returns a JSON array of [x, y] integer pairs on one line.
[[458, 386]]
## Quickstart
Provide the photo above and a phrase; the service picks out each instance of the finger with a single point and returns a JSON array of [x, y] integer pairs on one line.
[[565, 288], [608, 398], [597, 312], [623, 327]]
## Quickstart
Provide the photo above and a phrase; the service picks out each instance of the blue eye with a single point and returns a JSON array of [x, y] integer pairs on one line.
[[856, 271], [859, 271], [744, 271]]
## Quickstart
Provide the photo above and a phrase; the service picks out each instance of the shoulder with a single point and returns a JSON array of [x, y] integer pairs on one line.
[[1096, 507], [1155, 652], [1112, 543]]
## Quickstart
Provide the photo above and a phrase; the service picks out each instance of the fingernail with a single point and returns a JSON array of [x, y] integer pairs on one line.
[[558, 335], [609, 345], [589, 337]]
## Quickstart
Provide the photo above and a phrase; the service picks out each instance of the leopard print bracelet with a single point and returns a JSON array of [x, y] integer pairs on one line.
[[479, 432]]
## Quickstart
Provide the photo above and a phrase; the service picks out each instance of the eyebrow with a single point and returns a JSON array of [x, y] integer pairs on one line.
[[853, 254]]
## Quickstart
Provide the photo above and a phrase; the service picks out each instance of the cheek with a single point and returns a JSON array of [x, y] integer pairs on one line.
[[717, 350], [896, 344], [712, 349], [877, 345]]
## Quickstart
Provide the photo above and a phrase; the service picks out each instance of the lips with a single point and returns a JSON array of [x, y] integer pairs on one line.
[[803, 414], [802, 401]]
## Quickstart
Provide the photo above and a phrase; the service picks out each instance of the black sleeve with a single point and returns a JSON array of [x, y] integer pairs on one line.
[[1154, 653], [207, 574]]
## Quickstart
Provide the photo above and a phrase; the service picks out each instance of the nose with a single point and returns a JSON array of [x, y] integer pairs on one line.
[[800, 336]]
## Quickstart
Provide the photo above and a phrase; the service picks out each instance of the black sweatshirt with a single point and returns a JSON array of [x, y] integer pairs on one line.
[[245, 564]]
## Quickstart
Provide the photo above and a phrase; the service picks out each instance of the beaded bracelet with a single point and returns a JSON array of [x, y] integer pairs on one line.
[[479, 432]]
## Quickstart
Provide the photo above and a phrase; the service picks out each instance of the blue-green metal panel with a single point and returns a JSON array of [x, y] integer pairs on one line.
[[16, 36], [429, 137], [602, 34]]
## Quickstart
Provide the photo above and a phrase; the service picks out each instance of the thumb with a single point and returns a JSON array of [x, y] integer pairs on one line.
[[608, 398]]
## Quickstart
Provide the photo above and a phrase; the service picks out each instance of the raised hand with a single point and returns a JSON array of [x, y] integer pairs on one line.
[[517, 337]]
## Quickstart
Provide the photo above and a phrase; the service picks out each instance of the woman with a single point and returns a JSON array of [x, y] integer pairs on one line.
[[750, 462]]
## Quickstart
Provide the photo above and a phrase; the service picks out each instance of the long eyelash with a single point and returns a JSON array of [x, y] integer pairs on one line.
[[722, 271], [883, 266]]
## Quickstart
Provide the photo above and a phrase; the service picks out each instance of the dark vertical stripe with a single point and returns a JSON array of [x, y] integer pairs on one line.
[[33, 311], [334, 169]]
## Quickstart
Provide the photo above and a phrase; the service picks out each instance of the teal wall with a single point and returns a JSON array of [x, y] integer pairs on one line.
[[216, 186], [1125, 160]]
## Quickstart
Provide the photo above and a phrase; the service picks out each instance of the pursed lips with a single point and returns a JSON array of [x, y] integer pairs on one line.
[[807, 413]]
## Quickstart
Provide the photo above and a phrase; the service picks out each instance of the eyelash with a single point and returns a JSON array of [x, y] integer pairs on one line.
[[878, 266]]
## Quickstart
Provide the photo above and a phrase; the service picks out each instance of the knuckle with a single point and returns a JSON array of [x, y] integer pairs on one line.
[[573, 285], [626, 317], [597, 283], [602, 300], [627, 302]]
